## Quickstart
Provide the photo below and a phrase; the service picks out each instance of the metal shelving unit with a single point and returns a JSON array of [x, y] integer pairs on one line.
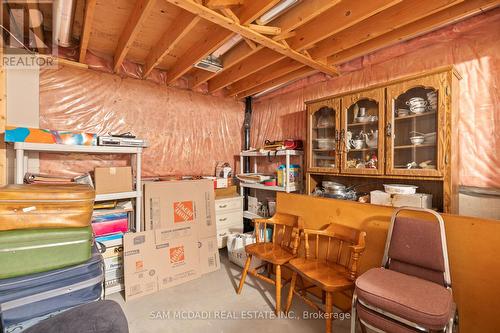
[[256, 155], [22, 167]]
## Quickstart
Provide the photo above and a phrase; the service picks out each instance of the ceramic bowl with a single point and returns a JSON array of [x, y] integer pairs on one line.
[[403, 112], [418, 109], [417, 140], [362, 120]]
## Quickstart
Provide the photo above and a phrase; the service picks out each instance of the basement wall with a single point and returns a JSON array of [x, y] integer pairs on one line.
[[471, 46], [188, 133]]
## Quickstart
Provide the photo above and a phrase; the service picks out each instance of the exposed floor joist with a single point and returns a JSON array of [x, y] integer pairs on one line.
[[87, 28], [246, 32], [173, 35], [246, 14], [291, 19], [394, 17], [139, 14], [295, 75], [267, 74], [236, 73], [422, 26]]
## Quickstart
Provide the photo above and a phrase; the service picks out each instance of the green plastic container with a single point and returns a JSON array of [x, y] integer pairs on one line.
[[29, 251]]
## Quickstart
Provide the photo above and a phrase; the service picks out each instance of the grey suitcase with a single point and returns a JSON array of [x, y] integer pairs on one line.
[[31, 298]]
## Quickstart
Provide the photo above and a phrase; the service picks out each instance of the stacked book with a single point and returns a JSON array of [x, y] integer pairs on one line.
[[110, 221]]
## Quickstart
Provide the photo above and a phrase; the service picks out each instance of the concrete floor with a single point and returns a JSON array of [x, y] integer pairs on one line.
[[214, 295]]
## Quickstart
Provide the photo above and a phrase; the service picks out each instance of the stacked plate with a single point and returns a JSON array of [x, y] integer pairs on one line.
[[432, 99]]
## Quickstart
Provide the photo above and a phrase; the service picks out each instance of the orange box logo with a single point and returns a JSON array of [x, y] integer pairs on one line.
[[139, 265], [183, 211], [177, 254]]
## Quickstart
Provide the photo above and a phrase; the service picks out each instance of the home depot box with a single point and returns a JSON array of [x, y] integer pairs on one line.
[[180, 203], [420, 200], [209, 255], [159, 259], [113, 180]]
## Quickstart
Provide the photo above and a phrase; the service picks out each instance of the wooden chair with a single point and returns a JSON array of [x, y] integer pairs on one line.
[[281, 249], [332, 265]]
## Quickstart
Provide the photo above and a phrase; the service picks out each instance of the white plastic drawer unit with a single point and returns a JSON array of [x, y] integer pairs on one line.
[[228, 217], [229, 204]]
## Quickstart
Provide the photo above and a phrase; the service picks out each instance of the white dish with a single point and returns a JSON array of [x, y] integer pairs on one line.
[[400, 189], [417, 140]]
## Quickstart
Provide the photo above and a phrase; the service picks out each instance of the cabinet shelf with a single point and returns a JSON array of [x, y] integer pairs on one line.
[[320, 128], [375, 123], [428, 145], [425, 114], [362, 149]]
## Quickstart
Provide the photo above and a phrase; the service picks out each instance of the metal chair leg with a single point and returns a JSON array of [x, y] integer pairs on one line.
[[353, 312]]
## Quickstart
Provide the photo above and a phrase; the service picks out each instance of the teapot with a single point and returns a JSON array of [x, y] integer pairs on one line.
[[371, 139]]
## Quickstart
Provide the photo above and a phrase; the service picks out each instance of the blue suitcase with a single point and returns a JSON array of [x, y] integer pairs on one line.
[[28, 299]]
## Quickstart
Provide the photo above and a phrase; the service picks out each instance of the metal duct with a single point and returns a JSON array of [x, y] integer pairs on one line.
[[63, 15]]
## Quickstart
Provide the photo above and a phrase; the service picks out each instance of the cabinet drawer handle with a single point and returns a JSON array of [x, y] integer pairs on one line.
[[222, 206], [388, 130], [224, 219]]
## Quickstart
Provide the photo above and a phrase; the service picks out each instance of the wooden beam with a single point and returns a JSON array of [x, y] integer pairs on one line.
[[36, 25], [253, 9], [182, 25], [212, 41], [246, 32], [397, 16], [218, 4], [250, 43], [265, 29], [87, 28], [139, 14], [295, 75], [267, 74], [291, 19], [340, 17], [239, 52], [262, 59], [227, 12], [435, 21], [302, 13]]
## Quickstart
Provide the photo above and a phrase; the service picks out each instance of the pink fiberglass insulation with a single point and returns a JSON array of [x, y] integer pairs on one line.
[[188, 132], [471, 46]]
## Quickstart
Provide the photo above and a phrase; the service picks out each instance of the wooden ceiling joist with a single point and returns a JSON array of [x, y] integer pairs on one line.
[[212, 16], [392, 18], [292, 76], [87, 28], [340, 17], [288, 21], [267, 74], [239, 52], [261, 60], [218, 4], [435, 21], [171, 37], [139, 14], [246, 14]]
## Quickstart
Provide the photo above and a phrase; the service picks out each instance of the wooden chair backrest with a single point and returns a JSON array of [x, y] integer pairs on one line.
[[336, 244], [286, 229]]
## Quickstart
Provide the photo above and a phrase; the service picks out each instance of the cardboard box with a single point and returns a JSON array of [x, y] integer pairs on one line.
[[113, 180], [115, 262], [180, 203], [420, 200], [159, 259], [226, 192], [209, 255]]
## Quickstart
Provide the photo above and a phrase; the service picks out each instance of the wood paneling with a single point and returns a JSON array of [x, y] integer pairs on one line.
[[474, 275]]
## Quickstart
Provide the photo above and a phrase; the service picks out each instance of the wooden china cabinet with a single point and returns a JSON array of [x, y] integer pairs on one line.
[[400, 132]]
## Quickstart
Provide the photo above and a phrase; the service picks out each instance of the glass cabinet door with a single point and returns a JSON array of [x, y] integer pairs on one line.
[[362, 141], [323, 126], [415, 111]]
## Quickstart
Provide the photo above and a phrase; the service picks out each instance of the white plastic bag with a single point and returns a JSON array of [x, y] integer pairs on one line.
[[236, 243]]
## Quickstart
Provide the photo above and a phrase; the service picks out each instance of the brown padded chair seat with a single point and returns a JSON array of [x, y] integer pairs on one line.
[[326, 275], [420, 301], [270, 252], [385, 324]]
